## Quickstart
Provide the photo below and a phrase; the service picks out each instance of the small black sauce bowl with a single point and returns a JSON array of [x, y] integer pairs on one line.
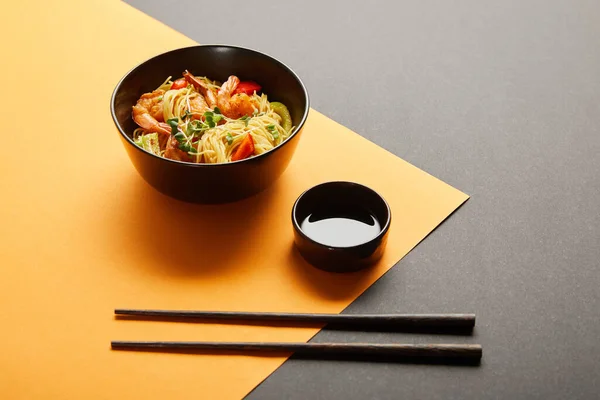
[[342, 194]]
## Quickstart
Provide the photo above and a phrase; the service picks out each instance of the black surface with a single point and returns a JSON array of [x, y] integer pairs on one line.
[[211, 183], [498, 98]]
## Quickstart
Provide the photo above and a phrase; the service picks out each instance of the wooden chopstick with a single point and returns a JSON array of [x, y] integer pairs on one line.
[[391, 351], [457, 321]]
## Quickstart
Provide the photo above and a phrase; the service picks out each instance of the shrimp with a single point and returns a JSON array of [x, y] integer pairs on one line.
[[202, 88], [148, 113], [235, 106], [174, 152], [197, 106]]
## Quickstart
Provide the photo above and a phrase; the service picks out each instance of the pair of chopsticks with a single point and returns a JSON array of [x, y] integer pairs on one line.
[[388, 322]]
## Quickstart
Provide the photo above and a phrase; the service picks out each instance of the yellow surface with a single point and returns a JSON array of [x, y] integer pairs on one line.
[[82, 234]]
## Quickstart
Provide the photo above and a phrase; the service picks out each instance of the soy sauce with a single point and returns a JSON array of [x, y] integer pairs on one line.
[[341, 226]]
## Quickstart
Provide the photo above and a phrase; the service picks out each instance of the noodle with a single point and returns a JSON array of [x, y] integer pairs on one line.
[[209, 136]]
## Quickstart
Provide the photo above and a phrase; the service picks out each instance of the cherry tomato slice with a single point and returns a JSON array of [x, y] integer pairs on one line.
[[248, 87], [179, 84], [245, 150]]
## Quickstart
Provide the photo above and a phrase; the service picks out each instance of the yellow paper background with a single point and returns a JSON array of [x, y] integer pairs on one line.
[[82, 234]]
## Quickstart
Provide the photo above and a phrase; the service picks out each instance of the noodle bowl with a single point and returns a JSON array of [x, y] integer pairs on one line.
[[199, 133], [226, 173]]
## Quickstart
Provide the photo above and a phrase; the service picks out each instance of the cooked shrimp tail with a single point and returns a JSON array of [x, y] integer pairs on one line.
[[197, 106], [202, 88], [147, 113]]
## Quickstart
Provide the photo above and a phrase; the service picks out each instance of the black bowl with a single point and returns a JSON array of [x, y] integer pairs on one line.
[[347, 200], [211, 183]]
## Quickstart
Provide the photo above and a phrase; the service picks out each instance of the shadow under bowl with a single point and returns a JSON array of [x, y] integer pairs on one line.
[[341, 226]]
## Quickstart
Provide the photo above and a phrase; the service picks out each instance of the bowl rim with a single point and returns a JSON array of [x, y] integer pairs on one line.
[[379, 236], [206, 165]]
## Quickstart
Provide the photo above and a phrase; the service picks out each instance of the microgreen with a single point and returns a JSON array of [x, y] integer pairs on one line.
[[173, 124]]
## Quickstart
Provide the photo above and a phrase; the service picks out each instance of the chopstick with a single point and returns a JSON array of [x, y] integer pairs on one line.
[[446, 351], [457, 321]]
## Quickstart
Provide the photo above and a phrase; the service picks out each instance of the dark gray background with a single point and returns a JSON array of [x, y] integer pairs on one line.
[[500, 99]]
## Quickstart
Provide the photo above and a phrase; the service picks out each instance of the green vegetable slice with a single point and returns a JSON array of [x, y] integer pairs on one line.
[[245, 118], [273, 131], [149, 142], [281, 110]]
